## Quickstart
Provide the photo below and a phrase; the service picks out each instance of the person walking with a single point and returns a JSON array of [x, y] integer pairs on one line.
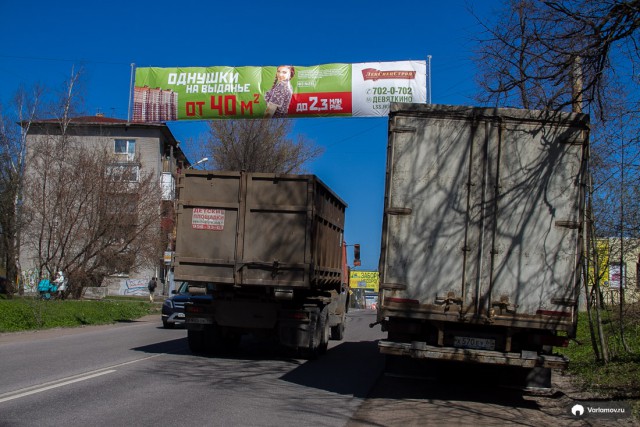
[[153, 283]]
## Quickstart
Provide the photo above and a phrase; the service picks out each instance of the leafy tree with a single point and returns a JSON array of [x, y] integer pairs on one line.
[[261, 145]]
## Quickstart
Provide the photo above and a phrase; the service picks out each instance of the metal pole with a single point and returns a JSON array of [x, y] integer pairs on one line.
[[428, 79], [133, 65]]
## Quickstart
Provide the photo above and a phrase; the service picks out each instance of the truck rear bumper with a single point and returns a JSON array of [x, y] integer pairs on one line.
[[420, 350]]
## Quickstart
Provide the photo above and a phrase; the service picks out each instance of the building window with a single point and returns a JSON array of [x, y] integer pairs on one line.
[[125, 149], [127, 172]]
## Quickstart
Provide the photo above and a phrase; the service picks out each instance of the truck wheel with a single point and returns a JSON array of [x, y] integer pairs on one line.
[[324, 330], [337, 332], [167, 325], [228, 341], [316, 328], [196, 341]]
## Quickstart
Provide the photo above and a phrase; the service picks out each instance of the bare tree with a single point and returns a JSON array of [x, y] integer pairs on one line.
[[528, 57], [88, 218], [23, 109], [261, 145], [88, 215], [575, 54]]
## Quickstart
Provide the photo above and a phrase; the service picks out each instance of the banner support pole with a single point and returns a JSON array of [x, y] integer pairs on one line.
[[133, 65], [429, 79]]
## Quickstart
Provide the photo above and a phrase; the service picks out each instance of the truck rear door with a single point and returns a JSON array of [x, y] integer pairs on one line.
[[483, 207]]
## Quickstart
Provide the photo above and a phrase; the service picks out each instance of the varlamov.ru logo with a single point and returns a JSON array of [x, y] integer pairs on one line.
[[612, 410]]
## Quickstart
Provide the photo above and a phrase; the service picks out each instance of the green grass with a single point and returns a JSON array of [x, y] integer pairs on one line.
[[22, 314], [618, 379]]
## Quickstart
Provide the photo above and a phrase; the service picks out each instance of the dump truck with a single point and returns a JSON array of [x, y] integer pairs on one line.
[[483, 232], [267, 252]]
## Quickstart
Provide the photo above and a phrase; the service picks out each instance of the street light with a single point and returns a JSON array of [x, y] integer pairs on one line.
[[198, 162]]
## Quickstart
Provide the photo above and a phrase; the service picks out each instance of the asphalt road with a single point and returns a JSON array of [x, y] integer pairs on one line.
[[140, 374]]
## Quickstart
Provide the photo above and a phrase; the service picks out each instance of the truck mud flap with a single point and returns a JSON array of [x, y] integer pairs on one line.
[[420, 350]]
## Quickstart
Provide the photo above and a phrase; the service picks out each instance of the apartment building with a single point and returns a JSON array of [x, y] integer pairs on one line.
[[136, 148]]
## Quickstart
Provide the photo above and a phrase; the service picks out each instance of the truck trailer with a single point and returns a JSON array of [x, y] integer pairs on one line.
[[483, 233], [268, 253]]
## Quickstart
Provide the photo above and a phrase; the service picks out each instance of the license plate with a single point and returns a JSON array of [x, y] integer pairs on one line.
[[200, 320], [475, 343]]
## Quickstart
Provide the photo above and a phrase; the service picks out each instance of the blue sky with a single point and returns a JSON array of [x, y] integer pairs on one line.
[[43, 41]]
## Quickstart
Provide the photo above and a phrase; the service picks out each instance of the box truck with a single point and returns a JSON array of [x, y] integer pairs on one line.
[[483, 229]]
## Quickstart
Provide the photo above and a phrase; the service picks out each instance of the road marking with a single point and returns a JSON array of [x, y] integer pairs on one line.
[[41, 389], [5, 397]]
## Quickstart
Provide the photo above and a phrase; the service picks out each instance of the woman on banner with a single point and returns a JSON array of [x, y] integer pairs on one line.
[[280, 94]]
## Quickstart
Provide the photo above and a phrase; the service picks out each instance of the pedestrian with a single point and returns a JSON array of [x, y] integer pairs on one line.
[[61, 283], [153, 283]]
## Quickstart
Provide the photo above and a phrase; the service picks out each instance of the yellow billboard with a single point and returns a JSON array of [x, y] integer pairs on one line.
[[369, 280]]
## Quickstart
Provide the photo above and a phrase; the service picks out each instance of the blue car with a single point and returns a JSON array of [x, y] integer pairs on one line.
[[173, 307]]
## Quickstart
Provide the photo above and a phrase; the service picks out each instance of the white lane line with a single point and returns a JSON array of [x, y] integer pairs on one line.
[[41, 389], [65, 381]]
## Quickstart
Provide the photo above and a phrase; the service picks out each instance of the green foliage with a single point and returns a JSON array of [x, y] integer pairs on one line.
[[620, 378], [20, 314]]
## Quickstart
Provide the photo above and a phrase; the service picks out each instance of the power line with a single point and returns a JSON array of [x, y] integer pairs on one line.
[[85, 61]]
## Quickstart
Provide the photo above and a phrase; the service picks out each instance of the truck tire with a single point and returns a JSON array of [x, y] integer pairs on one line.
[[319, 334], [196, 340], [227, 341], [324, 330], [337, 332]]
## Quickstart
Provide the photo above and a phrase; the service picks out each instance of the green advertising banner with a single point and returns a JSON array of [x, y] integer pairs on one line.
[[220, 92]]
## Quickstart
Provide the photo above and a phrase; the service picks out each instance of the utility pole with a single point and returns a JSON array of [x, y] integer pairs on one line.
[[576, 86]]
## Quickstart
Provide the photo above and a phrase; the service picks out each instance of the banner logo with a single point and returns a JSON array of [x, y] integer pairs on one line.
[[373, 74]]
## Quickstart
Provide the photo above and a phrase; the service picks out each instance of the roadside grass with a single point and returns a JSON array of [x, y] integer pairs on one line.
[[620, 378], [29, 313]]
